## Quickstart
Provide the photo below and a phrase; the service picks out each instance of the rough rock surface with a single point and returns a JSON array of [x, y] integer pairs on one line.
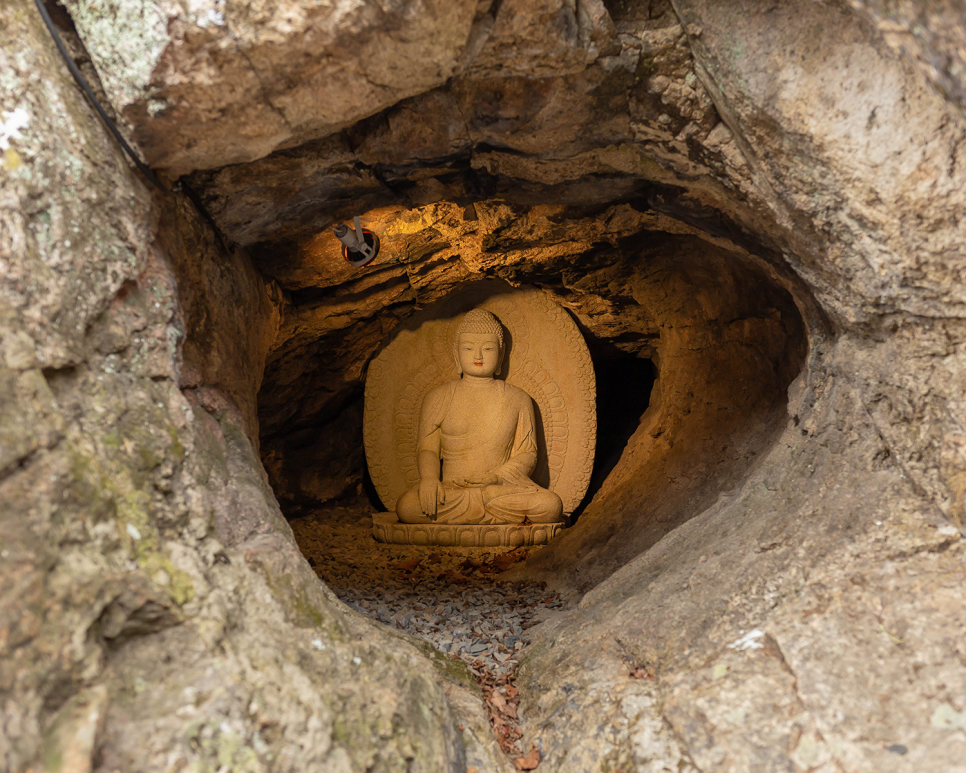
[[928, 33], [791, 625], [157, 613], [213, 82], [450, 597], [764, 198]]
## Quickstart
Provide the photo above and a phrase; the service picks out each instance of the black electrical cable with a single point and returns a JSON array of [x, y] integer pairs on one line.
[[89, 93]]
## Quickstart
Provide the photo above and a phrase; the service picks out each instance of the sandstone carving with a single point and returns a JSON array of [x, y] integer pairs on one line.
[[454, 447], [482, 432], [387, 528]]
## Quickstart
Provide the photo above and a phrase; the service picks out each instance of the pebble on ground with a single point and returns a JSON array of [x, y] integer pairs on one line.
[[449, 597]]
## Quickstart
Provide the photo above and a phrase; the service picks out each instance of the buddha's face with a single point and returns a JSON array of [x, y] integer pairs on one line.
[[479, 354]]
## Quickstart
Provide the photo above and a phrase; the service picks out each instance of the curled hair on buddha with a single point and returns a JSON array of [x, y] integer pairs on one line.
[[478, 321]]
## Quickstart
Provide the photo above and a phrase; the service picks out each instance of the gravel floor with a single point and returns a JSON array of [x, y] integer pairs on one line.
[[451, 597]]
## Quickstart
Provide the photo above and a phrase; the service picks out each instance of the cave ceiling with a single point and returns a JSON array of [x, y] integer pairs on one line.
[[633, 122], [557, 168], [548, 143]]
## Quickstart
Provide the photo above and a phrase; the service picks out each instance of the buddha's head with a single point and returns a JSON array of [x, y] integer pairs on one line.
[[479, 345]]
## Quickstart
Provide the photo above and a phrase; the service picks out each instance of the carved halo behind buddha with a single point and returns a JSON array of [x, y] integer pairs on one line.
[[495, 451]]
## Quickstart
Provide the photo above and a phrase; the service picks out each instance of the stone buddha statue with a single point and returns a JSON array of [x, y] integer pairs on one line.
[[476, 442]]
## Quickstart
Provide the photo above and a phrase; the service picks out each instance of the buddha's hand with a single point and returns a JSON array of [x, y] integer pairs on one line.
[[431, 495], [490, 479]]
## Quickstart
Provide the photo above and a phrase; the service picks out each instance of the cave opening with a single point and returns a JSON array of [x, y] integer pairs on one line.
[[724, 327], [694, 343]]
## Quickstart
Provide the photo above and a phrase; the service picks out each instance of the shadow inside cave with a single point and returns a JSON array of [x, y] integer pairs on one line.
[[624, 386]]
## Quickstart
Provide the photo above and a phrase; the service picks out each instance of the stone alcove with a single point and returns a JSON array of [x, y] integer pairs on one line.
[[726, 339]]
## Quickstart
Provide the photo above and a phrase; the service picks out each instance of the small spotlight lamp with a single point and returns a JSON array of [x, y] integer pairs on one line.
[[359, 245]]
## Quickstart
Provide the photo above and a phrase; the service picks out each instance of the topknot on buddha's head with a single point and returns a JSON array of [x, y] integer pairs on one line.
[[479, 321]]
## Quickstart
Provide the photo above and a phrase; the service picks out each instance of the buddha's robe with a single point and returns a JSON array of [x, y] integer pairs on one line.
[[501, 443]]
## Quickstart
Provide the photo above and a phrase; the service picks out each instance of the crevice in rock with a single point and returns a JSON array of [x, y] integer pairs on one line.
[[624, 386], [183, 186]]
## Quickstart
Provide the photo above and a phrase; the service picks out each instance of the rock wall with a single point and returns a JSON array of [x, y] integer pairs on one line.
[[805, 620], [157, 614], [928, 34], [765, 198], [213, 83]]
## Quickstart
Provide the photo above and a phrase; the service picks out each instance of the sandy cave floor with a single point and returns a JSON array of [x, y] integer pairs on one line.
[[452, 598]]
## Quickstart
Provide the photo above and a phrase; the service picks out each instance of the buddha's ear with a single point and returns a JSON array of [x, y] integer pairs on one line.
[[456, 356], [499, 364]]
